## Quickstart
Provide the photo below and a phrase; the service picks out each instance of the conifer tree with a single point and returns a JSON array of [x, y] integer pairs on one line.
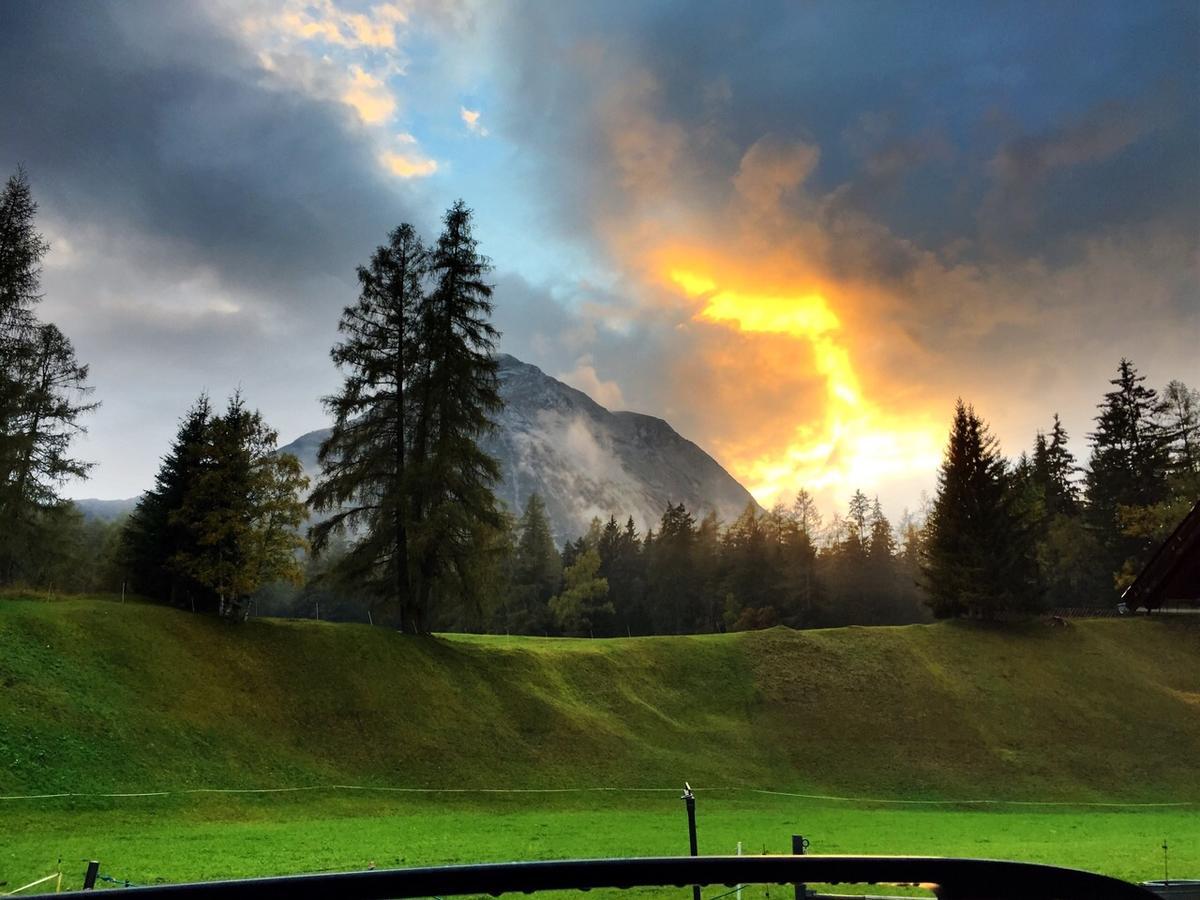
[[609, 544], [978, 551], [708, 604], [881, 548], [43, 387], [21, 251], [537, 571], [149, 539], [1066, 549], [671, 574], [858, 517], [807, 516], [1062, 491], [242, 511], [367, 471], [456, 381], [623, 567], [747, 569], [1181, 411], [1129, 463]]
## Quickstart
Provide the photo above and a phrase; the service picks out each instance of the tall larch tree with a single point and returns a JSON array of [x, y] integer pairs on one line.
[[366, 483], [43, 387]]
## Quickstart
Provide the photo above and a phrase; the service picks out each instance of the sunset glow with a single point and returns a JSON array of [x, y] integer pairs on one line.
[[853, 444]]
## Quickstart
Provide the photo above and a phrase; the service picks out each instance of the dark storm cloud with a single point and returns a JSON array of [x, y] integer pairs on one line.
[[955, 97], [149, 118], [205, 218]]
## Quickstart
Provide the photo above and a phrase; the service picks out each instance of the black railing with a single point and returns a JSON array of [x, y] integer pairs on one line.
[[958, 879]]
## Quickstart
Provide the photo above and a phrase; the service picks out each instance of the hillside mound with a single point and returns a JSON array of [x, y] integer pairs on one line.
[[102, 696]]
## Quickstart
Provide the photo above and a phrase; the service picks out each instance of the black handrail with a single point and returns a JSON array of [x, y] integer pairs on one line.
[[959, 879]]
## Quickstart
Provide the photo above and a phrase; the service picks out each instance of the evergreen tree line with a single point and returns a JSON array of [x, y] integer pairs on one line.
[[1045, 532], [765, 568]]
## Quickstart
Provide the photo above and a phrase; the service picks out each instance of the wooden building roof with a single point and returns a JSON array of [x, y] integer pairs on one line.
[[1173, 573]]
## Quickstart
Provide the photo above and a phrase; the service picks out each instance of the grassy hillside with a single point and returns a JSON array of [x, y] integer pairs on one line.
[[100, 696]]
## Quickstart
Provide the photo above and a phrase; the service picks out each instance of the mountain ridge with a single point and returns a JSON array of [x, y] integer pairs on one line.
[[584, 460]]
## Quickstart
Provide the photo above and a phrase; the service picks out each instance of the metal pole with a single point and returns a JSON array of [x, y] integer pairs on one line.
[[689, 800], [89, 877], [799, 845], [739, 887]]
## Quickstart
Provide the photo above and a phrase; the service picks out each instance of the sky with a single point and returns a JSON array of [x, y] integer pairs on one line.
[[796, 231]]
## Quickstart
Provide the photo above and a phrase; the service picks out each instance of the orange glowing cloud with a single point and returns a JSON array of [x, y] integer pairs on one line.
[[325, 21], [782, 364], [369, 97], [407, 165], [852, 443]]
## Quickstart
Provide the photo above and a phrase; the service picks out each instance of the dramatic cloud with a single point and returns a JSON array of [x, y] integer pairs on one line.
[[797, 232], [830, 250]]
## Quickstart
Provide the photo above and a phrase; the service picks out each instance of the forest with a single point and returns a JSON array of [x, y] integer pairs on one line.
[[402, 528]]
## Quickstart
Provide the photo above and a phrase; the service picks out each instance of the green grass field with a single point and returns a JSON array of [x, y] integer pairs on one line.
[[149, 840], [100, 697]]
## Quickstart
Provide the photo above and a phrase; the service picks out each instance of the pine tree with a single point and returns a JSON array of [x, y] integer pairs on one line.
[[744, 550], [623, 567], [708, 603], [978, 551], [456, 381], [1181, 410], [150, 539], [21, 252], [1062, 491], [671, 575], [609, 544], [881, 548], [807, 516], [367, 478], [858, 516], [1066, 549], [800, 587], [42, 385], [242, 511], [537, 571], [1129, 464]]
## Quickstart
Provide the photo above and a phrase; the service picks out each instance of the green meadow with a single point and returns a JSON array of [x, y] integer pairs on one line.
[[1067, 733]]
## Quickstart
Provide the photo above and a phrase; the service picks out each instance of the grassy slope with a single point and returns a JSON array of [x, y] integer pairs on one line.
[[98, 696]]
